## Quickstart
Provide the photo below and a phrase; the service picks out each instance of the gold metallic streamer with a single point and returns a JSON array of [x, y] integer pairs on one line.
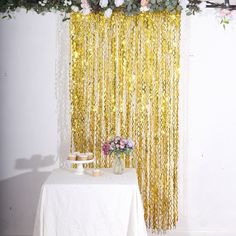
[[124, 81]]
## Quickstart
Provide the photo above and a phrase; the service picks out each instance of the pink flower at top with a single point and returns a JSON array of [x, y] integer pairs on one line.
[[224, 13], [144, 6], [144, 3], [122, 143], [85, 7], [106, 147], [84, 4]]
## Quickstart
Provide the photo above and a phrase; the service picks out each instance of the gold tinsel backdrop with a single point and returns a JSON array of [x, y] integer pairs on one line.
[[124, 81]]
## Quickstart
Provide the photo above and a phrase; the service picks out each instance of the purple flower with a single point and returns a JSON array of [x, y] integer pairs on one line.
[[106, 147], [130, 144]]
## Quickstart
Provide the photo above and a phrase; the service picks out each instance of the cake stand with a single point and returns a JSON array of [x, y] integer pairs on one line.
[[80, 169]]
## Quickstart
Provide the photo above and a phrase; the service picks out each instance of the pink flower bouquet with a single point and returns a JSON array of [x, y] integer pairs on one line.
[[117, 146]]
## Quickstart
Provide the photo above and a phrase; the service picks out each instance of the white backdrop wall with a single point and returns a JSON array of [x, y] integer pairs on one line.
[[28, 123], [28, 118], [209, 163], [207, 128]]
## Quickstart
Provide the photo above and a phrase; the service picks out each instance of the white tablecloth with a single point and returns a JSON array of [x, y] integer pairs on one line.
[[108, 205]]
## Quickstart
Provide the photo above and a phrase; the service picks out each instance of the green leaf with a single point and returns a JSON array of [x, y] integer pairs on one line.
[[189, 13], [129, 8]]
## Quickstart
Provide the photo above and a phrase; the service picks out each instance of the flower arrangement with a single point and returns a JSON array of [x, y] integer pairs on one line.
[[117, 146], [107, 7], [129, 7], [225, 16]]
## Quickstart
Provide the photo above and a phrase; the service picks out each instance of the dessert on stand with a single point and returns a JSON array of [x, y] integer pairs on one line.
[[76, 161]]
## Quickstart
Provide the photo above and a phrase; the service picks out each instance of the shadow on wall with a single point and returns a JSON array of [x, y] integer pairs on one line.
[[19, 195]]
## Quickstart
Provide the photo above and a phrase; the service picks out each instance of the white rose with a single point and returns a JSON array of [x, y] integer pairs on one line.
[[184, 3], [41, 3], [65, 3], [145, 8], [108, 13], [74, 8], [85, 11], [202, 6], [119, 2], [103, 3]]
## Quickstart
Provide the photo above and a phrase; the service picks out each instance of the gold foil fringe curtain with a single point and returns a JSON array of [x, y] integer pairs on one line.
[[124, 81]]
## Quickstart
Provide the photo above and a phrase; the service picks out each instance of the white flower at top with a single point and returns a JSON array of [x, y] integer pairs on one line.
[[108, 13], [85, 11], [202, 6], [118, 3], [145, 8], [67, 3], [74, 8], [103, 3], [184, 4], [42, 3]]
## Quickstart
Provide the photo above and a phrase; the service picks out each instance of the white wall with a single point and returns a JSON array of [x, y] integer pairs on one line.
[[207, 162], [208, 123], [211, 140], [28, 119]]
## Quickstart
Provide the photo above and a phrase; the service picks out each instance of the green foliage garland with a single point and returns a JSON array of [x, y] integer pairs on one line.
[[130, 7]]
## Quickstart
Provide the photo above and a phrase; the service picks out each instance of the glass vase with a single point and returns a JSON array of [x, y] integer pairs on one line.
[[118, 165]]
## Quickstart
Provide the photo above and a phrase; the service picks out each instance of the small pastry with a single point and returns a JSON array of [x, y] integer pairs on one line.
[[81, 157], [96, 172], [72, 157], [89, 155]]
